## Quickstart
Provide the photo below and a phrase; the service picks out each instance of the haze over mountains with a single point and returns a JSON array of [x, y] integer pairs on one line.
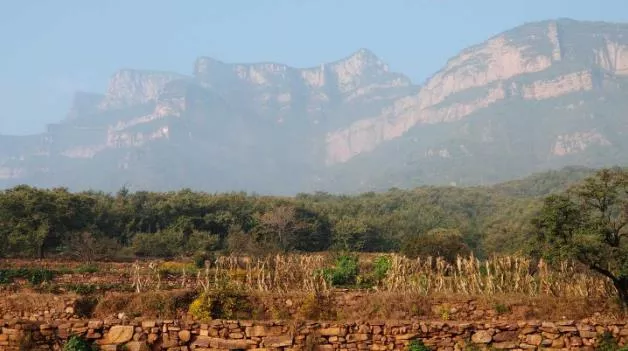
[[541, 96]]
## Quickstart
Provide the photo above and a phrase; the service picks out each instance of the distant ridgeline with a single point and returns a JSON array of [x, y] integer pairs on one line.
[[554, 94]]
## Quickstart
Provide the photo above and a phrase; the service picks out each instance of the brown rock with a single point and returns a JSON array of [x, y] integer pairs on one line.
[[406, 336], [261, 330], [357, 337], [482, 337], [95, 324], [119, 334], [184, 335], [152, 338], [148, 324], [587, 334], [528, 330], [505, 336], [136, 346], [575, 341], [534, 339], [506, 345], [335, 331], [278, 341]]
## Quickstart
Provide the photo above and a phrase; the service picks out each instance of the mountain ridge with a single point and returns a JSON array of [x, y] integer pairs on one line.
[[349, 124]]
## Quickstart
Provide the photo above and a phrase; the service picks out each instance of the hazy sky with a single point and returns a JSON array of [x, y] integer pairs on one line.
[[52, 48]]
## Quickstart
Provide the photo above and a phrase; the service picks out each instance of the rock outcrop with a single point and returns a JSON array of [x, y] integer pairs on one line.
[[527, 62]]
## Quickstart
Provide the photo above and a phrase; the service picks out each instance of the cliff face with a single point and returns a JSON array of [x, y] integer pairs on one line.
[[538, 96], [534, 62]]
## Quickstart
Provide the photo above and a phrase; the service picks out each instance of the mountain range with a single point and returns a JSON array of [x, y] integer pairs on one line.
[[541, 96]]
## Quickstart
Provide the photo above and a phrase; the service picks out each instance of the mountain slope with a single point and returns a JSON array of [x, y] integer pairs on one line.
[[541, 96]]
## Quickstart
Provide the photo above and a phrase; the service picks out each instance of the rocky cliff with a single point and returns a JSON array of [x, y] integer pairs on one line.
[[543, 95]]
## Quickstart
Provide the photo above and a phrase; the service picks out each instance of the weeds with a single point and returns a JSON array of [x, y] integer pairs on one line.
[[35, 276], [76, 343], [417, 345]]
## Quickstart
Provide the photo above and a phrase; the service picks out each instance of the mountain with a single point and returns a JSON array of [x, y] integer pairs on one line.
[[541, 96]]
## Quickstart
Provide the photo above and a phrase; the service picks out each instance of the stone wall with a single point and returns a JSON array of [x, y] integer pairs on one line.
[[138, 335]]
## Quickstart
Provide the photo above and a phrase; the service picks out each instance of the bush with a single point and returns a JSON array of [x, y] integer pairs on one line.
[[381, 266], [445, 243], [76, 343], [344, 273], [222, 303], [87, 268], [35, 276], [417, 345]]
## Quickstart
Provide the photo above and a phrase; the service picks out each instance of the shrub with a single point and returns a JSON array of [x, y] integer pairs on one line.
[[417, 345], [381, 266], [35, 276], [87, 268], [445, 243], [344, 273], [76, 343], [318, 306], [222, 303], [84, 307]]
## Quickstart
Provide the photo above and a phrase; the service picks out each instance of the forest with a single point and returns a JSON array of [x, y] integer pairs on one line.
[[426, 221]]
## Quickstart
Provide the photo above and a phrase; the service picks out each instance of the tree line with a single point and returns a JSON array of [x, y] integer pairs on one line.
[[37, 223]]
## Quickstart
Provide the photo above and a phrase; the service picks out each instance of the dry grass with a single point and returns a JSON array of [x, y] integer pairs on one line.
[[159, 304], [498, 275], [423, 276]]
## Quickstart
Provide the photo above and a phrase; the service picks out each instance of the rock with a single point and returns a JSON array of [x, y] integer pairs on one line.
[[587, 334], [152, 338], [148, 324], [184, 335], [506, 345], [357, 337], [534, 339], [335, 331], [505, 336], [278, 341], [119, 334], [136, 346], [481, 337], [261, 330], [95, 324]]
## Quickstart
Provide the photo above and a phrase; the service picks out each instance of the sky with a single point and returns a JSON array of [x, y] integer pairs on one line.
[[50, 49]]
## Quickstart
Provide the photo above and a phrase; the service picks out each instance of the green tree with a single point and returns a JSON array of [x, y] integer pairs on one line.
[[439, 242], [588, 222]]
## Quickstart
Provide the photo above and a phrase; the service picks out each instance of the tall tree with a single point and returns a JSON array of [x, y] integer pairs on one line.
[[589, 223]]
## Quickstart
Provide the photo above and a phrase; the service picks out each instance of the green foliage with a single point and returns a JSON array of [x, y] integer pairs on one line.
[[35, 276], [92, 225], [500, 308], [221, 302], [381, 266], [200, 259], [606, 342], [417, 345], [87, 269], [446, 243], [345, 271], [76, 343], [588, 223]]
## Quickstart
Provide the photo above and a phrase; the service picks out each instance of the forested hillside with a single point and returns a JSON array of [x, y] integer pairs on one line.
[[444, 220]]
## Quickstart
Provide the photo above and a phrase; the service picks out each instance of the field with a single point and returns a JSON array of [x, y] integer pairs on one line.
[[315, 286]]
